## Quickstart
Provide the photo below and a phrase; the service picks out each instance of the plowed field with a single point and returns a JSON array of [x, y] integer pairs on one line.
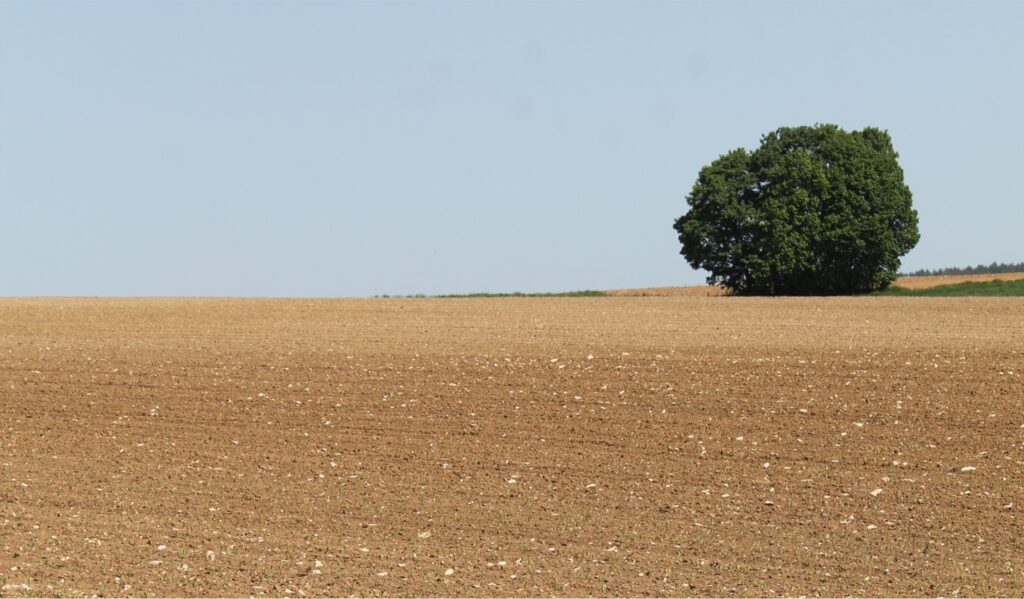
[[585, 446]]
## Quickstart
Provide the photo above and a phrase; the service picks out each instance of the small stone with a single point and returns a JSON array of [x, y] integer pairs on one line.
[[968, 469], [876, 492], [424, 535], [449, 572]]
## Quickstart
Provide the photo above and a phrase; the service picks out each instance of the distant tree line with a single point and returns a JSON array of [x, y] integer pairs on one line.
[[981, 269]]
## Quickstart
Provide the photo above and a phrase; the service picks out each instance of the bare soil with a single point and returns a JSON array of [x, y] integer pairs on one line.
[[510, 447]]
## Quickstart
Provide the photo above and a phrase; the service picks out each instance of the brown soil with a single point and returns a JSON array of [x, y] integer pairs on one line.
[[498, 447]]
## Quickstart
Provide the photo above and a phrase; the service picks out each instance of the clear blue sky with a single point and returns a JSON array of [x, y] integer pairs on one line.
[[349, 149]]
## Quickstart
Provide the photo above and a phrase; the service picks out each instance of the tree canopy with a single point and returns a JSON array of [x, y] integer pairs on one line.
[[812, 211]]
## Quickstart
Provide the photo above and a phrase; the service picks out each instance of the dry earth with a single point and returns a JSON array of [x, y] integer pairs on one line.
[[496, 447]]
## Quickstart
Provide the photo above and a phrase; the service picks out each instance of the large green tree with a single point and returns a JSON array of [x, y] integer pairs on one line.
[[812, 211]]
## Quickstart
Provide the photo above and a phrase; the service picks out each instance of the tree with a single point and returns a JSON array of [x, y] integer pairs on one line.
[[812, 211]]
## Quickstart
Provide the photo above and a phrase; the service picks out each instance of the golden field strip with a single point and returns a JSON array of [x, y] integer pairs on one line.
[[657, 446], [920, 282]]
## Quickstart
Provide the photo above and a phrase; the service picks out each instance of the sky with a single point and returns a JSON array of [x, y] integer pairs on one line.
[[325, 149]]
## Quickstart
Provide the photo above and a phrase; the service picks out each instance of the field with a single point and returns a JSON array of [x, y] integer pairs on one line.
[[914, 284], [993, 288], [938, 281], [867, 446]]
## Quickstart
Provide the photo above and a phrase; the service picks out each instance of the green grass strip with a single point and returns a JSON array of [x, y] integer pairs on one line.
[[584, 293]]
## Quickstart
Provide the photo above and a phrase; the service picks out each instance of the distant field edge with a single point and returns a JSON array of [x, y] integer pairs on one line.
[[990, 288], [987, 284], [581, 293]]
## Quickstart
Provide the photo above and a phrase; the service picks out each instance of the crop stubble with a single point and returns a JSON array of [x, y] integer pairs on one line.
[[562, 446]]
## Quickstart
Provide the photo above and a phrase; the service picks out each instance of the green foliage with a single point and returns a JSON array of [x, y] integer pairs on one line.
[[812, 211], [981, 269], [981, 288]]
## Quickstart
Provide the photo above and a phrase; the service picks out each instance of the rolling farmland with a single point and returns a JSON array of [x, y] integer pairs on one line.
[[498, 447]]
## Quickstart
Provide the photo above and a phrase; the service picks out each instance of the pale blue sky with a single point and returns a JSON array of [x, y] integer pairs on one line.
[[349, 149]]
